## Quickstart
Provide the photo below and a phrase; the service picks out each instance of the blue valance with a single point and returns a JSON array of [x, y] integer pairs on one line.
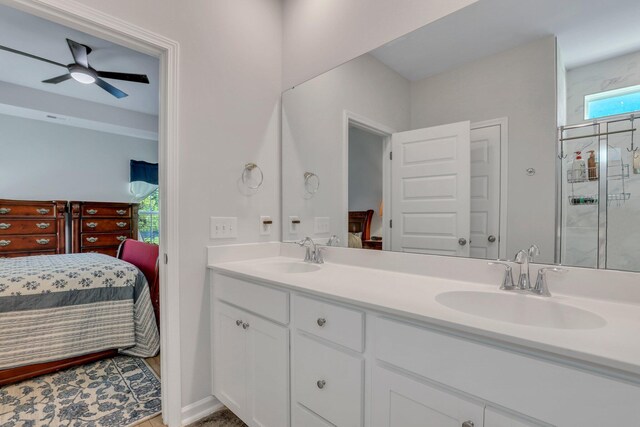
[[143, 171]]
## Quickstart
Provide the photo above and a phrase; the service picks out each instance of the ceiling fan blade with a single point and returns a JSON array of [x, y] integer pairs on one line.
[[58, 79], [79, 52], [136, 78], [28, 55], [111, 89]]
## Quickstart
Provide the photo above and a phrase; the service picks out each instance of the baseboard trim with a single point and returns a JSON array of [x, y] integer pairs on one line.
[[200, 409]]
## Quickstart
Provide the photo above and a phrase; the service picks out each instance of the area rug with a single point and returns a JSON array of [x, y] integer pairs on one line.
[[224, 418], [115, 392]]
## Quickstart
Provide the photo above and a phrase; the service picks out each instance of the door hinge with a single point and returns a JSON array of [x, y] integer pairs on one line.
[[390, 155], [390, 223], [166, 259]]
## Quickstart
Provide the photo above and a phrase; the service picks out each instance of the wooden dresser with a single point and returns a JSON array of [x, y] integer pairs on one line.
[[32, 228], [101, 227]]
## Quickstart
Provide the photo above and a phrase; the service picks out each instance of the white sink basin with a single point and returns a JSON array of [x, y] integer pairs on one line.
[[522, 309], [289, 267]]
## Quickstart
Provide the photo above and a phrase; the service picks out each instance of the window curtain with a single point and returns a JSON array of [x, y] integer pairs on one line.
[[143, 179]]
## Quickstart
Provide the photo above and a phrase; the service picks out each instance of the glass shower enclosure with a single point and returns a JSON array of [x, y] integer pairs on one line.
[[599, 194]]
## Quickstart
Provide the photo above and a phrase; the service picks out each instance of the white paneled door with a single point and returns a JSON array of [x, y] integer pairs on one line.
[[430, 190], [485, 192]]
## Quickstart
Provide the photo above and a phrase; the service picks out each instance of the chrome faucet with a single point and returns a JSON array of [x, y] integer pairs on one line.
[[313, 253], [524, 258], [333, 241]]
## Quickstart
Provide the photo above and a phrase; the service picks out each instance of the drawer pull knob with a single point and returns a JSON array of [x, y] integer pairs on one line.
[[92, 239], [5, 242], [43, 211], [322, 383], [92, 211], [468, 424], [43, 225], [4, 226], [321, 321], [121, 224], [245, 326], [238, 322], [92, 224], [121, 212], [121, 238], [42, 241], [4, 211]]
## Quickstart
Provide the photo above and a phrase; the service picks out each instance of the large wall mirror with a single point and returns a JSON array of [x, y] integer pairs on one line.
[[506, 124]]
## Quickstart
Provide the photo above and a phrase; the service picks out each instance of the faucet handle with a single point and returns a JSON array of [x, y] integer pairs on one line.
[[318, 258], [521, 256], [507, 280], [541, 287]]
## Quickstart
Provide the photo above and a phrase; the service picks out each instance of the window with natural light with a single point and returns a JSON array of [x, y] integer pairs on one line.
[[612, 102], [148, 219]]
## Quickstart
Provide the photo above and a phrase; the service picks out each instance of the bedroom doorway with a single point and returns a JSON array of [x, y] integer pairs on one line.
[[86, 20]]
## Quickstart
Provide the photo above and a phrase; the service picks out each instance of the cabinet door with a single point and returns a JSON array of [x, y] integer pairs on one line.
[[230, 357], [268, 370], [495, 418], [400, 401]]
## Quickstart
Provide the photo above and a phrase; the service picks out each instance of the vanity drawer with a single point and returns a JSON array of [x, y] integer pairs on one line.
[[47, 210], [27, 243], [332, 322], [26, 226], [106, 211], [328, 382], [304, 417], [105, 225], [106, 239], [262, 300]]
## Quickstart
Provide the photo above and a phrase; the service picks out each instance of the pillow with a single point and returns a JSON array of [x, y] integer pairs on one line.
[[355, 240]]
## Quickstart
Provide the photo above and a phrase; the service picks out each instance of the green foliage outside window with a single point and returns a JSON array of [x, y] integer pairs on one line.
[[149, 219]]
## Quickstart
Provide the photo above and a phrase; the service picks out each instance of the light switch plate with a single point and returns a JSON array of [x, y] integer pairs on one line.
[[293, 226], [224, 227], [322, 225], [265, 229]]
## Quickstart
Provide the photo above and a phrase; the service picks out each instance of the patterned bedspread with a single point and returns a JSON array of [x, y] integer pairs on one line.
[[58, 306]]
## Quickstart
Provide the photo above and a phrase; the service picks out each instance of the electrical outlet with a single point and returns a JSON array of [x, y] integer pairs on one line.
[[224, 227], [322, 225], [265, 225], [294, 224]]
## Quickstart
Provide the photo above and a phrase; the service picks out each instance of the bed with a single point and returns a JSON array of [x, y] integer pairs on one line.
[[71, 308]]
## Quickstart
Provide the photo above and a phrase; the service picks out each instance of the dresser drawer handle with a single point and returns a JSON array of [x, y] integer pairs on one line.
[[321, 321], [321, 384], [121, 238], [42, 241], [43, 211], [4, 226], [43, 225], [121, 212], [121, 224], [5, 242], [4, 211], [92, 239], [92, 211], [92, 224]]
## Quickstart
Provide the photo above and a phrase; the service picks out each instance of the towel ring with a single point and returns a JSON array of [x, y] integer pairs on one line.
[[248, 178], [311, 182]]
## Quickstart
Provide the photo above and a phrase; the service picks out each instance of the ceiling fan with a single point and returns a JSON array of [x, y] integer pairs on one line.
[[82, 72]]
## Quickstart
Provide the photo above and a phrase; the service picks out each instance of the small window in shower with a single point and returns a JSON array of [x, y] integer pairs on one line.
[[612, 102]]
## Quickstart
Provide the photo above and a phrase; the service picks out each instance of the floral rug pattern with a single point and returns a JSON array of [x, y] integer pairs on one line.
[[114, 392]]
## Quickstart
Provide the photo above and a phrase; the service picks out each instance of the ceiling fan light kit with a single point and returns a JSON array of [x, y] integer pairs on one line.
[[82, 72]]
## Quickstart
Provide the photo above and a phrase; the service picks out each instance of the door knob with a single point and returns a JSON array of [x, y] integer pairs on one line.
[[491, 239], [462, 241]]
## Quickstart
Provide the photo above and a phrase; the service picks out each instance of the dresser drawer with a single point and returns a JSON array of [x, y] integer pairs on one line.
[[12, 243], [106, 211], [335, 323], [45, 210], [328, 382], [105, 225], [265, 301], [105, 251], [27, 226], [31, 253], [104, 239]]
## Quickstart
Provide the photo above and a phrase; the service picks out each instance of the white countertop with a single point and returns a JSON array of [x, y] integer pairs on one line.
[[614, 347]]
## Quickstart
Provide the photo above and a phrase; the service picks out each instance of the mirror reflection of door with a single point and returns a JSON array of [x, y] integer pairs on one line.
[[366, 157]]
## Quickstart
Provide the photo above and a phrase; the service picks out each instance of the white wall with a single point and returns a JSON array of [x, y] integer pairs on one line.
[[518, 84], [48, 161], [366, 151], [314, 137], [229, 91], [321, 34]]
